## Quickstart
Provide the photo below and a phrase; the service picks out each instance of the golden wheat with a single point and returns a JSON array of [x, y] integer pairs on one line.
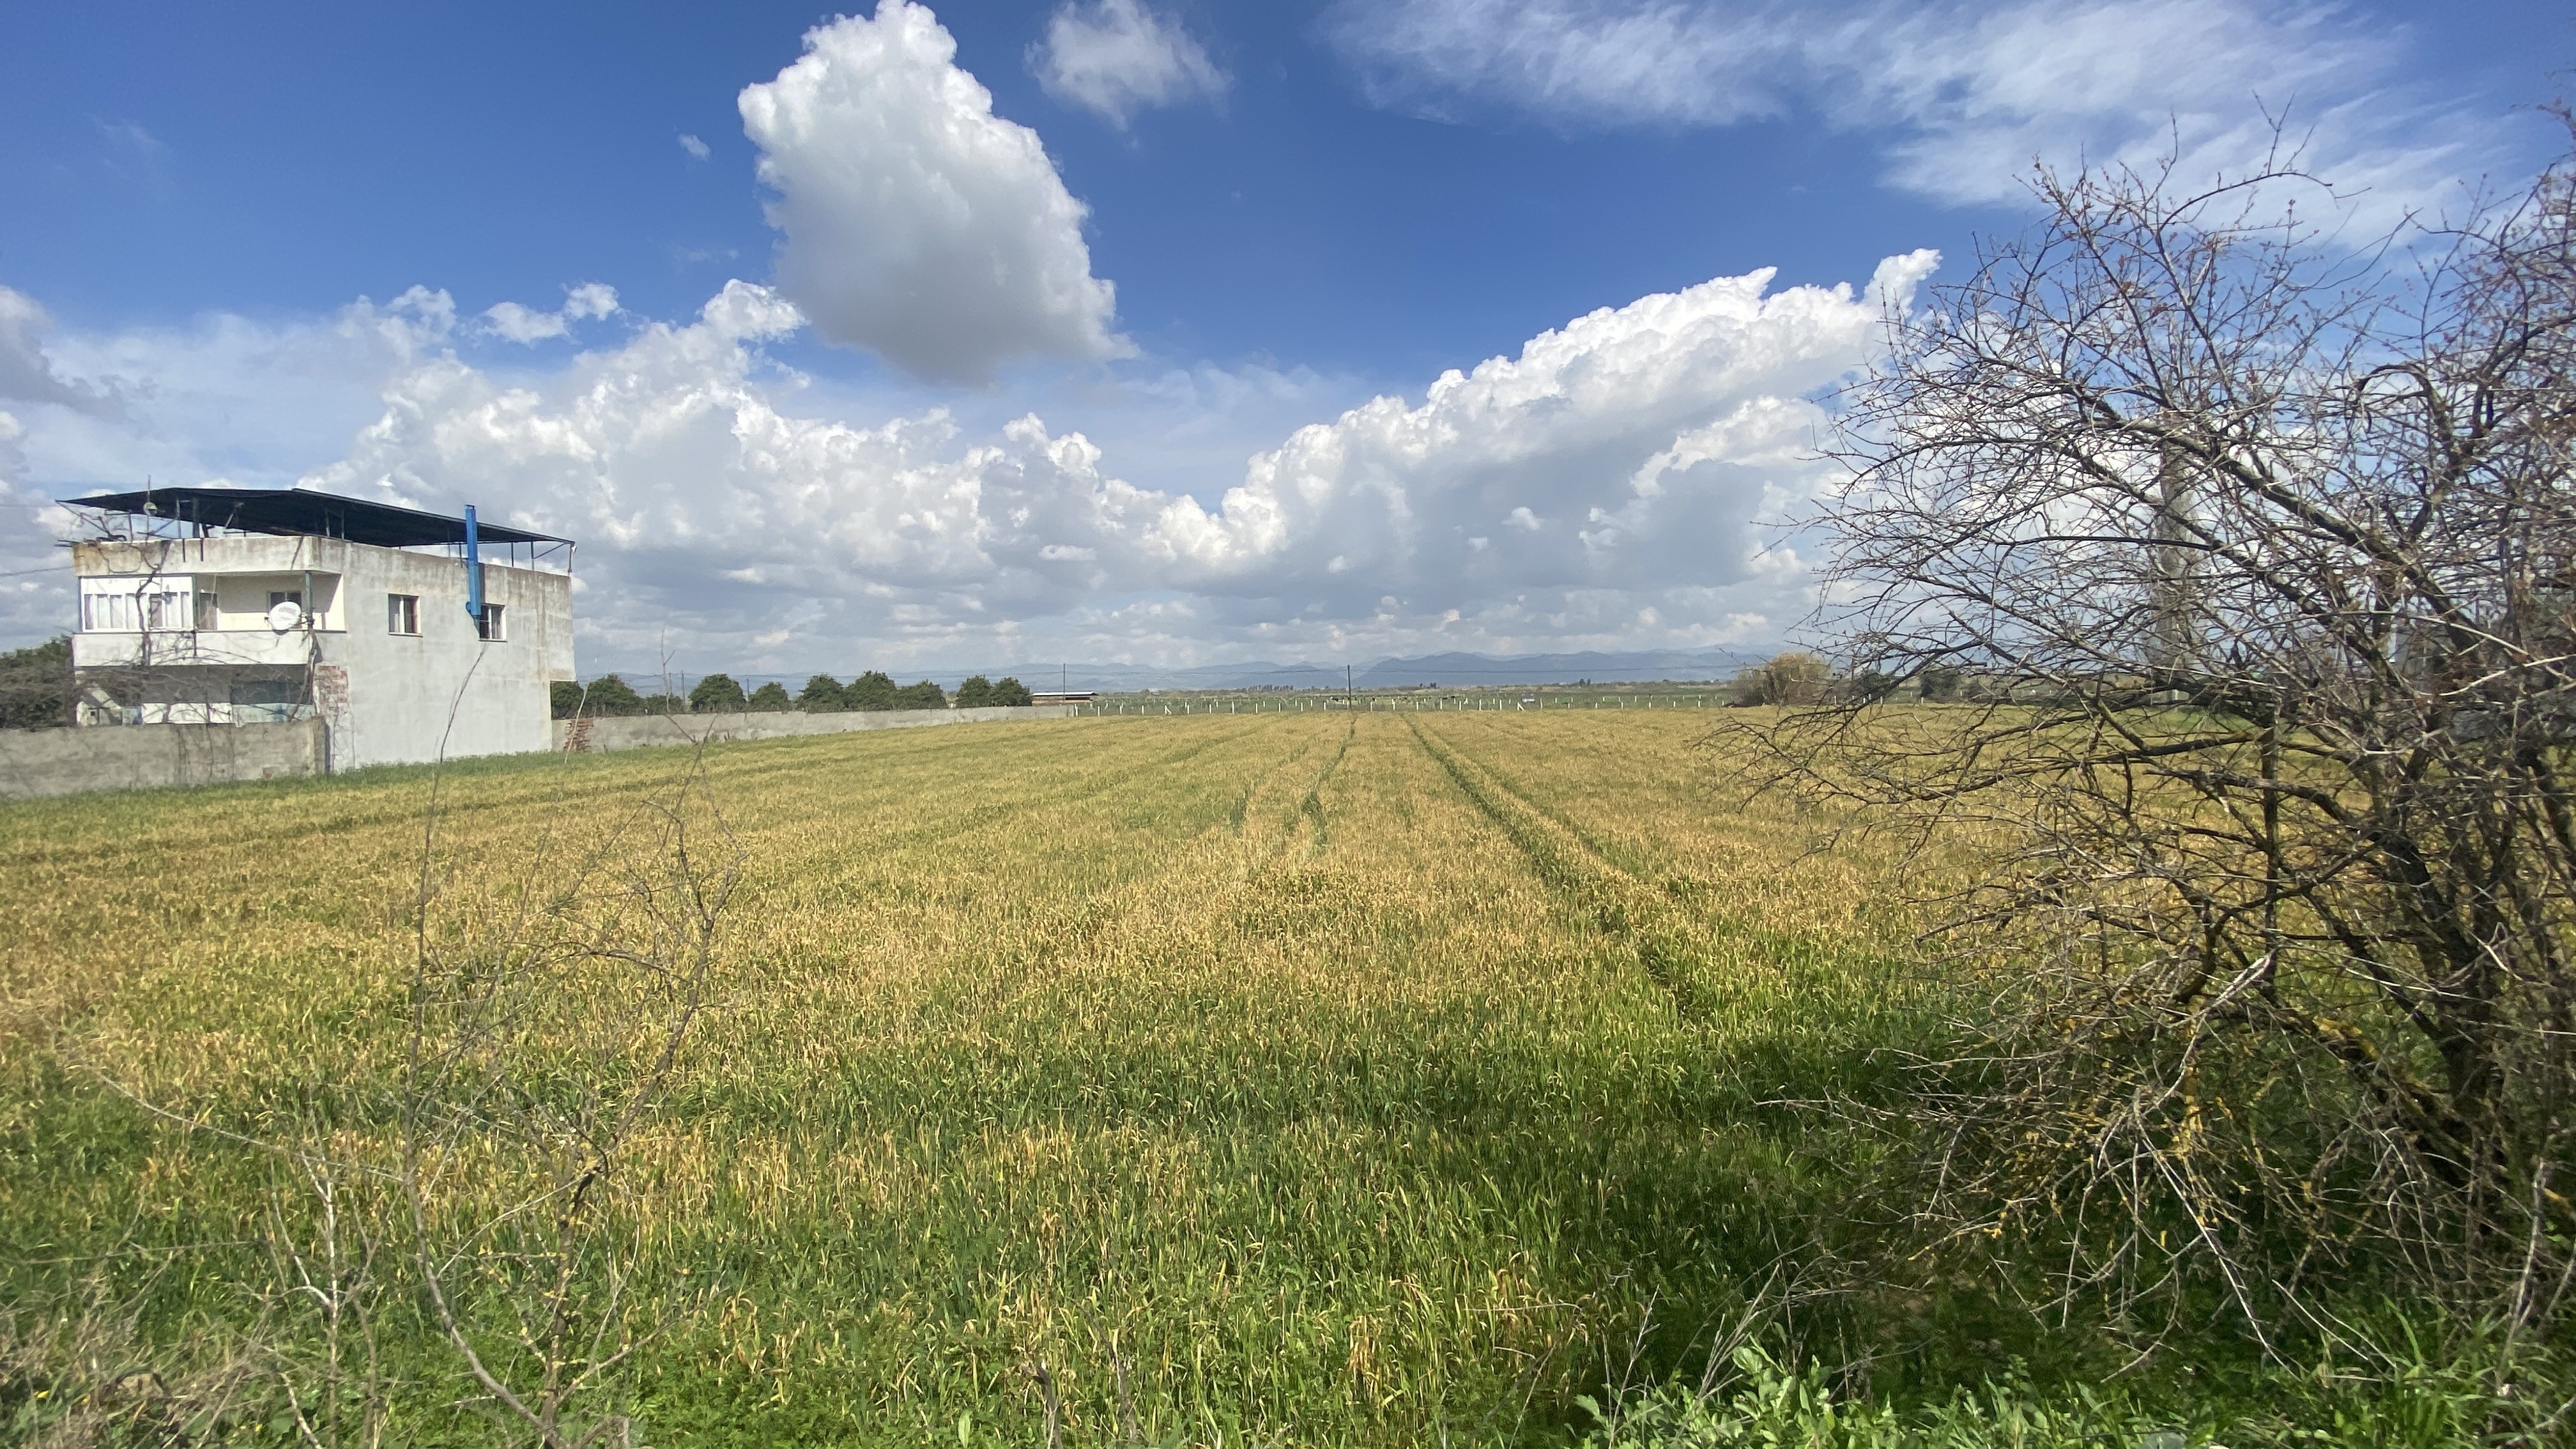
[[1329, 1078]]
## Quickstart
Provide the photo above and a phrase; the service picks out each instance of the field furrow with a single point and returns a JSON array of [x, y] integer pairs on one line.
[[1352, 1079]]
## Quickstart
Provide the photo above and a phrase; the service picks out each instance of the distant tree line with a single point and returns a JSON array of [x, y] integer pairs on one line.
[[822, 694], [981, 693]]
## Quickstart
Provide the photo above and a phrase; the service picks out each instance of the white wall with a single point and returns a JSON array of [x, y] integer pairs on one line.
[[68, 761], [637, 731], [446, 691]]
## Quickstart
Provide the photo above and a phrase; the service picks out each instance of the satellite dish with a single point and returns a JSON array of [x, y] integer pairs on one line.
[[285, 616]]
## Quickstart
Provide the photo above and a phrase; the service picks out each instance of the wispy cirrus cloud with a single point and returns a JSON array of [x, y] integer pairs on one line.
[[1963, 98], [1115, 58]]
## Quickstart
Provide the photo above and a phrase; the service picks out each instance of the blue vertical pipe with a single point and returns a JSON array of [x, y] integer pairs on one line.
[[473, 570]]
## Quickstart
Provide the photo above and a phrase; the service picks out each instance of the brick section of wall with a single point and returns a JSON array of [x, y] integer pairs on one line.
[[133, 757], [635, 732]]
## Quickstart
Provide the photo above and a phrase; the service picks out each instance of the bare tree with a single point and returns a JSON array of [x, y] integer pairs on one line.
[[546, 1024], [2252, 559], [1793, 678]]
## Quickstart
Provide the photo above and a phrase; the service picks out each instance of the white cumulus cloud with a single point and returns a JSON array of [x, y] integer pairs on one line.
[[917, 223], [1116, 58], [524, 325], [221, 400], [1964, 96], [1602, 487], [1586, 462]]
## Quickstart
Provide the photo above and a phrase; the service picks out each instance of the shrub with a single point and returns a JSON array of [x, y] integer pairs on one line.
[[975, 693], [36, 685], [1009, 691], [822, 694], [772, 698], [716, 694], [924, 695], [606, 695], [1870, 686], [872, 690], [1784, 679]]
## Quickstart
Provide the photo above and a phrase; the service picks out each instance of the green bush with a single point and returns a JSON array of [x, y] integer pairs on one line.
[[772, 697], [872, 690], [924, 695], [1009, 691], [606, 695], [975, 693], [36, 685], [822, 694], [717, 694]]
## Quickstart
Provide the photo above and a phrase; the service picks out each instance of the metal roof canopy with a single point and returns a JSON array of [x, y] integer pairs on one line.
[[295, 511]]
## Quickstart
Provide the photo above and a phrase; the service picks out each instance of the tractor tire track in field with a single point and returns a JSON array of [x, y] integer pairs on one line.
[[1242, 810], [962, 823], [1265, 828], [1307, 818], [1064, 938], [1599, 890], [1312, 807], [1619, 857]]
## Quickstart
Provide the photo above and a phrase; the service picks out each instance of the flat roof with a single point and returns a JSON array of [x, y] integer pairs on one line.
[[301, 511]]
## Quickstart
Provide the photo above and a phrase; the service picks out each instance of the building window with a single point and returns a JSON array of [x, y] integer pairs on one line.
[[402, 613], [489, 626], [286, 596], [125, 612]]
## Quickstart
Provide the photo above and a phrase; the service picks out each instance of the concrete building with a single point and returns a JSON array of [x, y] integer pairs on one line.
[[223, 606]]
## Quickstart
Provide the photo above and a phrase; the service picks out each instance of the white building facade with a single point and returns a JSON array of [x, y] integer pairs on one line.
[[236, 606]]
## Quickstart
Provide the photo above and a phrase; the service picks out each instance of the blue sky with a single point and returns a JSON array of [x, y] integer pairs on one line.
[[1035, 299]]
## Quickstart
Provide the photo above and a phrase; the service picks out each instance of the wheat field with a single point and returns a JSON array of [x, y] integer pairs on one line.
[[1292, 1078]]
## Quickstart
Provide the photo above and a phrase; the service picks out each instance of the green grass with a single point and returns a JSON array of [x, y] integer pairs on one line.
[[1375, 1079]]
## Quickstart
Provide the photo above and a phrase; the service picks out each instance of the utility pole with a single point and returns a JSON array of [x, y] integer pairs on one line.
[[1350, 689], [2172, 652]]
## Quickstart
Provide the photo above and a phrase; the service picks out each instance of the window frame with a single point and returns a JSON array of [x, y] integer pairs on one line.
[[494, 626], [140, 605], [402, 615]]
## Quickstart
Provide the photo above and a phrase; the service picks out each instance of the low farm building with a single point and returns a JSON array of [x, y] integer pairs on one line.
[[412, 636]]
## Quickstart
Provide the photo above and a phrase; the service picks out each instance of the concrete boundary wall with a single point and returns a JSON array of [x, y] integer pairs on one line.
[[636, 731], [134, 757], [137, 757]]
